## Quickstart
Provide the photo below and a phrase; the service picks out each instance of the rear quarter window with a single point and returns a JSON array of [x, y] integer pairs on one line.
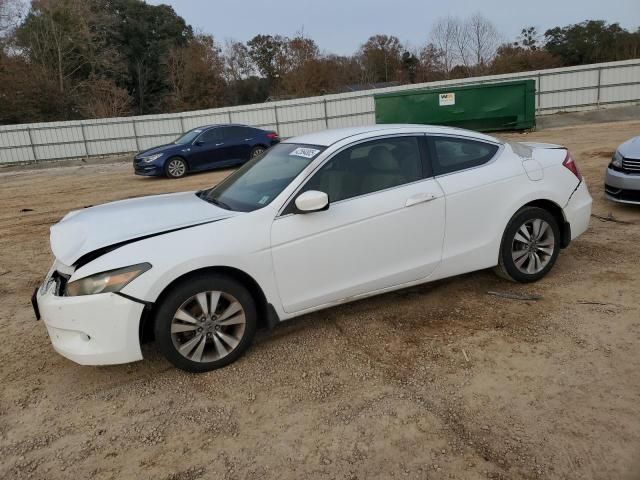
[[451, 154], [233, 133]]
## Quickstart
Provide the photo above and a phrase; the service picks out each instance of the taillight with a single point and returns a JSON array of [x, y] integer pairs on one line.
[[272, 135], [571, 165]]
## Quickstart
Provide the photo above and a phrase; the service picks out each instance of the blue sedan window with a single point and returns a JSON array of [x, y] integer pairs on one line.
[[212, 135], [188, 137]]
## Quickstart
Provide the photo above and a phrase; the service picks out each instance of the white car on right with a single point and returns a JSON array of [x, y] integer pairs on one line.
[[622, 181]]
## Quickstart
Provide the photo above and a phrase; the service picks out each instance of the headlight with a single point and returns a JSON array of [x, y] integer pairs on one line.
[[105, 282], [151, 158], [616, 160]]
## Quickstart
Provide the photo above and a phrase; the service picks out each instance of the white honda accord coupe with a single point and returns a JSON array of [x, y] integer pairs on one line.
[[316, 221]]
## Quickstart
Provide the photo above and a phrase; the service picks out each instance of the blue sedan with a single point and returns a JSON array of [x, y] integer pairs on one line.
[[205, 148]]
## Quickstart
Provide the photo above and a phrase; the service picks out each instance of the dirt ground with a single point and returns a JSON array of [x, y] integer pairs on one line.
[[440, 381]]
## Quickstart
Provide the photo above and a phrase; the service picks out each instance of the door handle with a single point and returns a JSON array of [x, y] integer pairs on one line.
[[218, 144], [420, 198], [247, 139]]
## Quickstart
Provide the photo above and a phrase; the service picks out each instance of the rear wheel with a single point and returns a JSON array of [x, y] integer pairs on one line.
[[257, 151], [205, 323], [530, 245], [176, 167]]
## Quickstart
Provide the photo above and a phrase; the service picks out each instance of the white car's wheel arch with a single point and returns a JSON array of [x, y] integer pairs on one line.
[[267, 315], [550, 206], [534, 196]]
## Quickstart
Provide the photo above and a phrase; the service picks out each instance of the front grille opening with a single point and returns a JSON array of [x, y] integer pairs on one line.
[[622, 194], [631, 165]]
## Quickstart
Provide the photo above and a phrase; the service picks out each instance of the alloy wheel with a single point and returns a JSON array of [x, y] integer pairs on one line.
[[208, 326], [533, 246], [176, 168], [257, 152]]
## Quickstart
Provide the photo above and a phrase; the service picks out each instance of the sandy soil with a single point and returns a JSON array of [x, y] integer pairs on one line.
[[440, 381]]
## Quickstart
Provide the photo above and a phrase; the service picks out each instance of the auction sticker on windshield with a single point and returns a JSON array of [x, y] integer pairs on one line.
[[304, 152]]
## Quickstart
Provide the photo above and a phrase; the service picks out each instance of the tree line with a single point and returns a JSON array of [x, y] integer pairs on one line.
[[75, 59]]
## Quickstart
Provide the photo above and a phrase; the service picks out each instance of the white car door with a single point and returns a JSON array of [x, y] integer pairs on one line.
[[384, 226], [478, 187]]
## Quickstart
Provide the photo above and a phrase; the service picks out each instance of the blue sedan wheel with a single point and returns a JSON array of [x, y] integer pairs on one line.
[[176, 168], [257, 151]]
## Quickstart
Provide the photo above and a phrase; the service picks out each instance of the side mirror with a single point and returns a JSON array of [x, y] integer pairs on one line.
[[312, 201], [199, 143]]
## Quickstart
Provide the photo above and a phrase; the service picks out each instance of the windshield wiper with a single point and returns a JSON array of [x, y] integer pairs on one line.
[[202, 194], [218, 203]]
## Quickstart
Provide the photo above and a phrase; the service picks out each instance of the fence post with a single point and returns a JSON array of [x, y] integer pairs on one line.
[[182, 123], [135, 134], [33, 148], [230, 119], [539, 92], [84, 140], [599, 83], [326, 115], [275, 111]]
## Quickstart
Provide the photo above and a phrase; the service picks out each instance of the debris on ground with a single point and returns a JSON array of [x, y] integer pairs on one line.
[[516, 296]]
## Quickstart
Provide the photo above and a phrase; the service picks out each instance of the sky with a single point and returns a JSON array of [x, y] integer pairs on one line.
[[341, 26]]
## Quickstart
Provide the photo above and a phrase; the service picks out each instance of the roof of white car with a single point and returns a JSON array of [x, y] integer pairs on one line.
[[329, 137]]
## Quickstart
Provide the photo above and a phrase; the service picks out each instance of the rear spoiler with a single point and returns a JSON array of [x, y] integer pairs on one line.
[[525, 149], [548, 146]]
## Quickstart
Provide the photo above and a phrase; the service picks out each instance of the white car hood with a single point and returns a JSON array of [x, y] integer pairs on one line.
[[83, 231]]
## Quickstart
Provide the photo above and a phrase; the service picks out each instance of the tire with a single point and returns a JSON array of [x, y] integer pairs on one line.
[[196, 345], [256, 151], [530, 246], [176, 167]]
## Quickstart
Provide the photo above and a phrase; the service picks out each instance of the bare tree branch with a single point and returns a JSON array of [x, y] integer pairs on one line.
[[484, 40], [237, 62], [444, 36]]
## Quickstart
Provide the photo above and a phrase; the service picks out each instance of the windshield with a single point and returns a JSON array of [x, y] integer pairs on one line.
[[188, 137], [261, 179]]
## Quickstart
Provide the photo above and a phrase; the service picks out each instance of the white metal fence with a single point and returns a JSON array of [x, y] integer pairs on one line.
[[585, 87]]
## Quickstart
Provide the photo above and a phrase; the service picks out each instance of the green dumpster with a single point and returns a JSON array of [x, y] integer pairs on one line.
[[483, 107]]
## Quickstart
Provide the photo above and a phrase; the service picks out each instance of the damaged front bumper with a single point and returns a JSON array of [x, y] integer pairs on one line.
[[101, 329]]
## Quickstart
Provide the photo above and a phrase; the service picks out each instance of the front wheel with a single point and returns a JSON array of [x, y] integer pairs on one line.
[[205, 323], [176, 168], [530, 245]]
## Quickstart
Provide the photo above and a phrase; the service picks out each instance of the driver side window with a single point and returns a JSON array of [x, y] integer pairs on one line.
[[369, 167]]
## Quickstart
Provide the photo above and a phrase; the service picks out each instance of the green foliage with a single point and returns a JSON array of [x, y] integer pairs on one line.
[[264, 51], [529, 39], [410, 65], [248, 90], [592, 41], [143, 35]]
